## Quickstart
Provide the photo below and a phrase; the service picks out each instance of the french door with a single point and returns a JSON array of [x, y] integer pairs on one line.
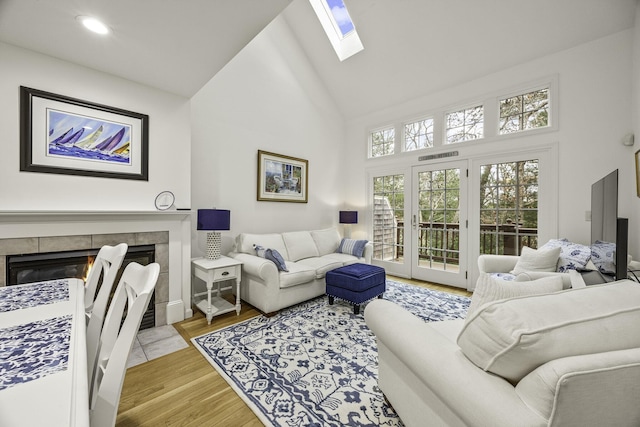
[[439, 223]]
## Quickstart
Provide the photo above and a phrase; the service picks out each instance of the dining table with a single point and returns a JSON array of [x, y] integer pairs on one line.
[[43, 357]]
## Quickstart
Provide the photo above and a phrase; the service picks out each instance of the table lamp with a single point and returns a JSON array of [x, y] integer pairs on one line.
[[348, 218], [213, 220]]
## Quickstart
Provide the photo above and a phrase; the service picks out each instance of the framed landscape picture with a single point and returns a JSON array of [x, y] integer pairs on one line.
[[70, 136], [282, 178]]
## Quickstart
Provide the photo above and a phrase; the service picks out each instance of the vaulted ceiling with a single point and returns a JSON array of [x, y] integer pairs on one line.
[[412, 47]]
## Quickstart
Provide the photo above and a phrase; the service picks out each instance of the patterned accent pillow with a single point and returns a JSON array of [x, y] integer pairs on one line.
[[272, 255], [573, 256], [603, 256], [507, 277], [352, 247]]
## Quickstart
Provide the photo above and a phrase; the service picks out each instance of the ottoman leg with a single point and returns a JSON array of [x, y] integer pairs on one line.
[[380, 296], [330, 300], [356, 308]]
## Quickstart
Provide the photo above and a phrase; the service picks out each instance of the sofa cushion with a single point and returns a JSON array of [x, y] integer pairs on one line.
[[567, 388], [352, 247], [513, 337], [297, 275], [573, 256], [246, 241], [344, 259], [327, 240], [489, 289], [320, 264], [299, 245], [537, 260]]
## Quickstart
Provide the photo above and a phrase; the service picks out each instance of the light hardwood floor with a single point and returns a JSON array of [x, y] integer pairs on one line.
[[183, 389]]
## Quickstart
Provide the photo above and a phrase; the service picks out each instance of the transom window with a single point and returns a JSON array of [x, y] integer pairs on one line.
[[465, 125], [418, 135], [524, 112], [382, 142]]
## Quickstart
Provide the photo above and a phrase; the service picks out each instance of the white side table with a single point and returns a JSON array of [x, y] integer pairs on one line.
[[217, 271]]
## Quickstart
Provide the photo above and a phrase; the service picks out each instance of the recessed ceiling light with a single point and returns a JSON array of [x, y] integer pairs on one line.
[[93, 24]]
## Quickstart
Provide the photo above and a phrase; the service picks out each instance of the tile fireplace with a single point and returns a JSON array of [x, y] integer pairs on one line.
[[169, 233], [26, 268]]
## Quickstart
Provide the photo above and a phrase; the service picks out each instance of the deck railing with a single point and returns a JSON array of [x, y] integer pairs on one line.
[[502, 239]]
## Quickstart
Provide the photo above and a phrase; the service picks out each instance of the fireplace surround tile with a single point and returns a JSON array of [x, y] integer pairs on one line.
[[149, 238], [162, 256], [64, 243], [99, 240], [162, 288], [23, 245]]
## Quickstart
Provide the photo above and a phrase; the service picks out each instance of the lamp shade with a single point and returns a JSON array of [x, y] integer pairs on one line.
[[348, 217], [214, 219]]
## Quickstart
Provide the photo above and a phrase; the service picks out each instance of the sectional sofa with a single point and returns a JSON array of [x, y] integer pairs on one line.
[[307, 256]]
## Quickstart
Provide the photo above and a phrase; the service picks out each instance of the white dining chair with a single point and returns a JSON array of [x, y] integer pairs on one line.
[[130, 301], [106, 265]]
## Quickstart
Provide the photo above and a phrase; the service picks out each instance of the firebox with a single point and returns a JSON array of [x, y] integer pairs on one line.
[[27, 268]]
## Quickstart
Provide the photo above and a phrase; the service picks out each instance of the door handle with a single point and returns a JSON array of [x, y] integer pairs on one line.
[[413, 221]]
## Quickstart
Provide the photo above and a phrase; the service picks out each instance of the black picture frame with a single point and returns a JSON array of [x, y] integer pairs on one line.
[[55, 137]]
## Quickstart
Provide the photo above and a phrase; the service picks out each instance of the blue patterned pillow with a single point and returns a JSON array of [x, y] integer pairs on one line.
[[352, 247], [603, 256], [272, 255], [573, 256]]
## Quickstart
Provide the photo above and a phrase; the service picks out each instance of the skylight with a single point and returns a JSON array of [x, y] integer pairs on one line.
[[338, 26]]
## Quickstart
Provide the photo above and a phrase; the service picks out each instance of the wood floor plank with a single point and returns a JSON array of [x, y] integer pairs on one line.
[[183, 389]]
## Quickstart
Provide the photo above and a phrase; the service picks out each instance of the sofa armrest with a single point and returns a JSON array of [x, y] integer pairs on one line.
[[475, 396], [368, 252], [535, 275], [258, 267], [497, 263]]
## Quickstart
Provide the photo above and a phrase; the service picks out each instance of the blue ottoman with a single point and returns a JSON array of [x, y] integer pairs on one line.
[[356, 283]]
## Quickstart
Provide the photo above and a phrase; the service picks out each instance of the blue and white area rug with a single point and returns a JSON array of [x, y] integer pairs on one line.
[[316, 364]]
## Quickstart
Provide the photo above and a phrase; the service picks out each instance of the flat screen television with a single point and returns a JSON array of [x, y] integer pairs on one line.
[[609, 234]]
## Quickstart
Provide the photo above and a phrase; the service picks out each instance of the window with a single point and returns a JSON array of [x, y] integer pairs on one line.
[[418, 135], [338, 26], [524, 112], [465, 125], [388, 217], [382, 142], [508, 207]]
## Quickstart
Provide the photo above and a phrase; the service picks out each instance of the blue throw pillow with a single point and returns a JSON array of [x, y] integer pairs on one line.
[[603, 256], [273, 256], [352, 247]]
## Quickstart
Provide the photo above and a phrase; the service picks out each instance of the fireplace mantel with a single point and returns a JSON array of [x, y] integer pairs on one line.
[[16, 226]]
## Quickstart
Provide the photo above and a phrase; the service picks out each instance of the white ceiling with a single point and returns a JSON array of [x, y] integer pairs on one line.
[[417, 47], [174, 45], [411, 47]]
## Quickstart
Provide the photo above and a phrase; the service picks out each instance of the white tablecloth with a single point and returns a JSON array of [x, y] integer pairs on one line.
[[43, 359]]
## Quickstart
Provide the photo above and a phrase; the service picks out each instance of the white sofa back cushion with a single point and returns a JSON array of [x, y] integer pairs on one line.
[[513, 337], [245, 242], [299, 245], [573, 390], [327, 241]]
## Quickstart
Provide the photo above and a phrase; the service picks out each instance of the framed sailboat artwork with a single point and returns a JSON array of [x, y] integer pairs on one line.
[[64, 135]]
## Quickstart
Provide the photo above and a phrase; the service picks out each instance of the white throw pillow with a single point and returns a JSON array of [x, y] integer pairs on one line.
[[537, 260], [512, 337], [489, 290]]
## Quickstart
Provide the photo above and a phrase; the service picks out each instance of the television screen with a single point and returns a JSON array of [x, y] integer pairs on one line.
[[608, 232]]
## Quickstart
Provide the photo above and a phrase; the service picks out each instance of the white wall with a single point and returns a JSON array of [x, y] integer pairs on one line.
[[634, 217], [595, 99], [169, 138], [267, 98]]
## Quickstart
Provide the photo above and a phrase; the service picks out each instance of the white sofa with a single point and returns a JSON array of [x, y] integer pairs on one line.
[[308, 256], [570, 358]]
